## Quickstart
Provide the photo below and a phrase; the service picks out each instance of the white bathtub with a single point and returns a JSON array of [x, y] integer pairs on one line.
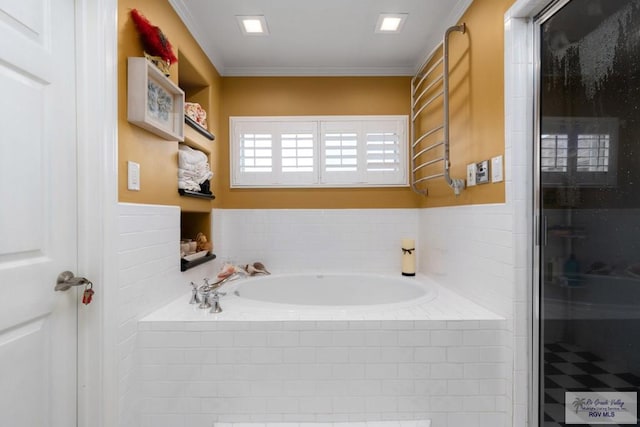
[[330, 296], [327, 347], [332, 291]]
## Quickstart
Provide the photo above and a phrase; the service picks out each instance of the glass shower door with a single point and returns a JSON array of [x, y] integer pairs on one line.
[[588, 162]]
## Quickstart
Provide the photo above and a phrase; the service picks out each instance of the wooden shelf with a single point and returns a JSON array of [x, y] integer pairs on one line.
[[186, 265], [188, 193], [202, 131]]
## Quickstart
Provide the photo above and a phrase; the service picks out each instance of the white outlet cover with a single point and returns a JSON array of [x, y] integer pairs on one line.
[[496, 169], [133, 176], [471, 174]]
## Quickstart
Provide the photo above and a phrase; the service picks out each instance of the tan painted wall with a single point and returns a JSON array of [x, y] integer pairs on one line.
[[291, 96], [476, 103], [477, 117], [158, 157]]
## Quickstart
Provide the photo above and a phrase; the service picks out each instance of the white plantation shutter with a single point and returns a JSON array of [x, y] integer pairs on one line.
[[341, 151], [341, 156], [385, 148], [256, 152], [383, 154], [297, 152], [314, 151]]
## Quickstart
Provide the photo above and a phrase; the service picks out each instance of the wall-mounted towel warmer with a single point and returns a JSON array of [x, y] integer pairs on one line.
[[422, 145]]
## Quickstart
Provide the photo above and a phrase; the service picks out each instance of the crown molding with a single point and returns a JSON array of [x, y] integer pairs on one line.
[[435, 39], [196, 31], [317, 71]]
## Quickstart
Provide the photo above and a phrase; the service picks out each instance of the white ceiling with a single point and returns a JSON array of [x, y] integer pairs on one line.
[[318, 37]]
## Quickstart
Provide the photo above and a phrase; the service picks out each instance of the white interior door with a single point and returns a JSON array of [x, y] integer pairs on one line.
[[37, 213]]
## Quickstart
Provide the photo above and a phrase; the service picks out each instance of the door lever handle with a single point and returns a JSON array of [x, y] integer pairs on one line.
[[66, 280]]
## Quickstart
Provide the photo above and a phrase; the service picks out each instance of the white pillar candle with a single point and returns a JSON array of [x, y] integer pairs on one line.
[[408, 257]]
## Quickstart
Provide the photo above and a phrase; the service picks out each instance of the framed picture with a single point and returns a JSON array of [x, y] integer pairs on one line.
[[154, 102]]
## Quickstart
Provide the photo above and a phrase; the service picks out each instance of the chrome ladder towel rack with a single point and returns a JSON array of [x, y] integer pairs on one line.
[[420, 87]]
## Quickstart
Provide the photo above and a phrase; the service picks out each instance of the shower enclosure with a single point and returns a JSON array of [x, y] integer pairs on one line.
[[588, 206]]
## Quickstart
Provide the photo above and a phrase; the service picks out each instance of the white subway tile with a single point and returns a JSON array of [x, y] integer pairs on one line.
[[414, 338], [485, 370], [381, 404], [479, 404], [367, 387], [299, 355], [265, 355], [315, 404], [365, 355], [397, 387], [415, 371], [445, 338], [349, 404], [268, 388], [447, 370], [333, 355], [283, 338], [350, 371], [429, 354], [299, 387], [316, 338]]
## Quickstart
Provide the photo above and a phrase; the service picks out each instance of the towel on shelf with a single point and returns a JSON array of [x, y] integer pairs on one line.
[[196, 113], [190, 156], [188, 184], [193, 168]]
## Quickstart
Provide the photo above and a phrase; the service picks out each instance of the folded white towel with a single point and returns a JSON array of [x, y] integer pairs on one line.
[[199, 175], [189, 156], [187, 174], [188, 184]]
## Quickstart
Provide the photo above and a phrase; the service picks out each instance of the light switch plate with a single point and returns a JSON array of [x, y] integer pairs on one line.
[[471, 174], [482, 174], [133, 176], [496, 169]]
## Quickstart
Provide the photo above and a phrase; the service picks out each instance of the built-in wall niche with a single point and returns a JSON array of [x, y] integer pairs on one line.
[[196, 89], [196, 134], [195, 206], [193, 224]]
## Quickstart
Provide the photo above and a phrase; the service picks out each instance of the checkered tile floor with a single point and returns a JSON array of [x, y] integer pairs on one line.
[[569, 368]]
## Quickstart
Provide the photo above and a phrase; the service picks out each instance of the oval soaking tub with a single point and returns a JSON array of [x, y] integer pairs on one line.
[[332, 291]]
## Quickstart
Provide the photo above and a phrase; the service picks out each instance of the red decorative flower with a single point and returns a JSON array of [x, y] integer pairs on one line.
[[154, 41]]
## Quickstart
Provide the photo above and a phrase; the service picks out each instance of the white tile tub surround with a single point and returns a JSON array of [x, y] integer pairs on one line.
[[294, 240], [195, 373], [148, 277]]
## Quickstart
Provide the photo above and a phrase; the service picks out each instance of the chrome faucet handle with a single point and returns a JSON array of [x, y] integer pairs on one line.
[[195, 299], [215, 302], [205, 291]]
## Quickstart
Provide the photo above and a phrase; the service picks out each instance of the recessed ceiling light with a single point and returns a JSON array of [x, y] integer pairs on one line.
[[390, 22], [253, 25]]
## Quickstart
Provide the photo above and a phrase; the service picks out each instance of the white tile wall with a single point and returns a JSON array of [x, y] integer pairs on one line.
[[293, 240], [519, 92], [148, 277], [470, 250], [308, 371]]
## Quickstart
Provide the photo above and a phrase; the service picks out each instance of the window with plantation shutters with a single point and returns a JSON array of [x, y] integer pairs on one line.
[[311, 151]]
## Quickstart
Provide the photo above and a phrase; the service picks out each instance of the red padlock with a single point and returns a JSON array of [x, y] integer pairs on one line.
[[88, 294]]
